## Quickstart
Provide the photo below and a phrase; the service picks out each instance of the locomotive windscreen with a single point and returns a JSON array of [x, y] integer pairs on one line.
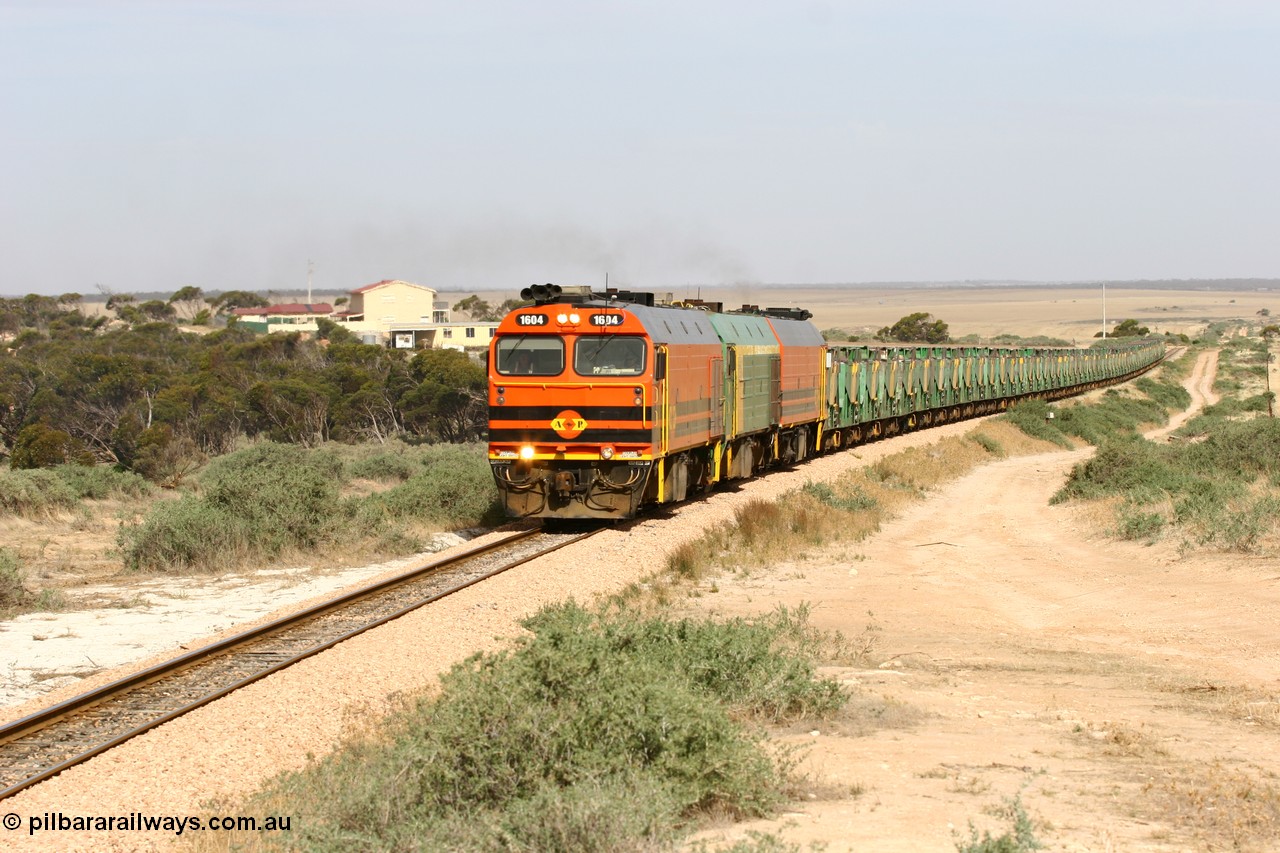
[[534, 355], [609, 355]]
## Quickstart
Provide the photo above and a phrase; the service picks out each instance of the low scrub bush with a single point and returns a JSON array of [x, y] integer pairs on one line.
[[100, 482], [383, 467], [1170, 395], [1032, 417], [34, 492], [595, 732], [1020, 838], [15, 597], [448, 492], [989, 444], [1221, 490], [188, 534], [1115, 414], [257, 502], [285, 494], [1133, 523], [854, 501], [14, 594], [271, 499], [1135, 469]]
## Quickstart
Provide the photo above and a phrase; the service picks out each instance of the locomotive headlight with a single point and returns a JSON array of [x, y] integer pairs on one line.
[[606, 452], [562, 318], [526, 451], [575, 319], [501, 400], [638, 401]]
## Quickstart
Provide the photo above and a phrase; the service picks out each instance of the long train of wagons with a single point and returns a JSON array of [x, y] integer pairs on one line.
[[600, 404]]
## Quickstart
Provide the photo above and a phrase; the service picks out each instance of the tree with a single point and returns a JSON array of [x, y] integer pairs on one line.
[[475, 308], [449, 400], [189, 300], [335, 333], [920, 327], [154, 309], [510, 305], [1129, 329], [225, 303], [42, 446]]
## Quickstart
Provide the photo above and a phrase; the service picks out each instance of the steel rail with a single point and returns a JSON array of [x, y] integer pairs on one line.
[[12, 733]]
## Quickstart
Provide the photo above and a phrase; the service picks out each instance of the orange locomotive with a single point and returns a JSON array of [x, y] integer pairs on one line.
[[599, 404]]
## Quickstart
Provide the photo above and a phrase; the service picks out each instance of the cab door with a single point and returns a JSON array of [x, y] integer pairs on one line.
[[715, 426]]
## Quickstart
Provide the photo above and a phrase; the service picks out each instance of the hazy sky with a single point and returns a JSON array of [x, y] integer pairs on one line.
[[488, 145]]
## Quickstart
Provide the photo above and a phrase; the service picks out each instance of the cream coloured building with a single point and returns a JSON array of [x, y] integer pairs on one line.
[[408, 316]]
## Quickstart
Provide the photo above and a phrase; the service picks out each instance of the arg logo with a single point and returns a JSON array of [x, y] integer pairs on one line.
[[569, 424]]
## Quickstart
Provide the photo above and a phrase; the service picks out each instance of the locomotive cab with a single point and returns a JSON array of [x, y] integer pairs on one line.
[[571, 424]]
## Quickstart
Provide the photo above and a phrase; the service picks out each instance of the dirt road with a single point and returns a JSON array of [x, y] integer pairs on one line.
[[1127, 696]]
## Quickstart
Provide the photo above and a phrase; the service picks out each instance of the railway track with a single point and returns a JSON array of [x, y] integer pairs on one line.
[[44, 744]]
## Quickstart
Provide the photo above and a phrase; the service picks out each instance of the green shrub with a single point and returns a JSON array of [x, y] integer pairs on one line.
[[100, 482], [1242, 450], [1136, 469], [1135, 524], [253, 503], [1114, 415], [1031, 416], [450, 490], [383, 467], [42, 446], [1242, 529], [594, 732], [1209, 484], [34, 492], [187, 534], [1021, 838], [287, 495], [14, 594], [1170, 395], [988, 444], [855, 501]]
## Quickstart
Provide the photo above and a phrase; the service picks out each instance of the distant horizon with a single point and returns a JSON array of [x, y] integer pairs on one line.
[[1212, 284]]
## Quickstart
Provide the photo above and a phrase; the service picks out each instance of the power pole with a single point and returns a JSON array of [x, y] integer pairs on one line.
[[1266, 343], [1104, 310], [310, 269]]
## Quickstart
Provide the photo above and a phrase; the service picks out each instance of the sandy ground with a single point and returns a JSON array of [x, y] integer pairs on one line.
[[44, 653]]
